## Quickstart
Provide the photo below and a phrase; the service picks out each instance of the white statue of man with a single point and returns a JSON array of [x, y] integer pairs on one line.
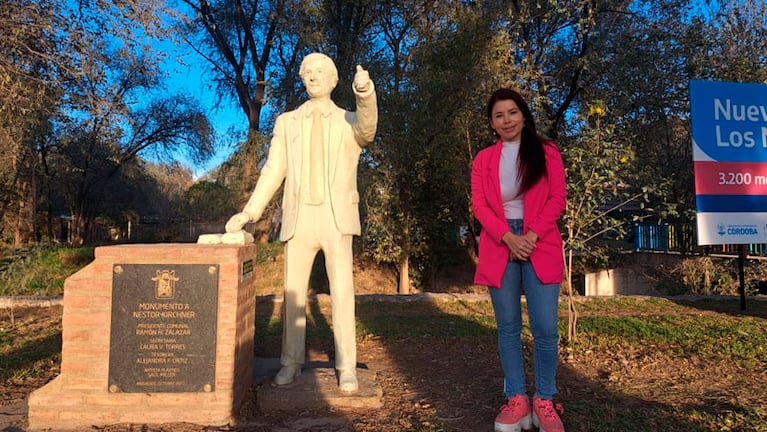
[[315, 150]]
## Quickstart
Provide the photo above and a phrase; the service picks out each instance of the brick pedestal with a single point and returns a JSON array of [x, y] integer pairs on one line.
[[79, 397]]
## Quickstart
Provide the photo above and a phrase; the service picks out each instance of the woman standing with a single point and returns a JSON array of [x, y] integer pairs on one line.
[[518, 195]]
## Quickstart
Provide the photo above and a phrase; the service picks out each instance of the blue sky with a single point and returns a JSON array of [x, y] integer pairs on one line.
[[190, 77]]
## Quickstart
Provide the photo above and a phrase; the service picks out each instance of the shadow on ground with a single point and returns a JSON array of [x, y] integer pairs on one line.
[[435, 358]]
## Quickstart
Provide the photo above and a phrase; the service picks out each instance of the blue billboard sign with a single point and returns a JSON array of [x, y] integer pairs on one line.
[[729, 139]]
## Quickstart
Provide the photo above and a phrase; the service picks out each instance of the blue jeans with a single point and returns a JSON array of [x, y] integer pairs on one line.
[[542, 303]]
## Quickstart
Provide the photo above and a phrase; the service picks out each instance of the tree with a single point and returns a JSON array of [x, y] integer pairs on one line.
[[96, 148], [237, 39], [33, 56], [731, 43], [172, 180], [417, 168], [387, 236], [347, 28], [623, 129], [599, 186], [63, 57]]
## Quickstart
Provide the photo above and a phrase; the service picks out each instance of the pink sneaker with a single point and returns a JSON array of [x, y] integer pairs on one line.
[[545, 415], [514, 415]]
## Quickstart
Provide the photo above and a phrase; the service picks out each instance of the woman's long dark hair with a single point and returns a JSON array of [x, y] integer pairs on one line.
[[532, 159]]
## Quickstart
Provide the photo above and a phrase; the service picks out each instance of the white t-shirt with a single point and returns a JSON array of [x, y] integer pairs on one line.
[[513, 200]]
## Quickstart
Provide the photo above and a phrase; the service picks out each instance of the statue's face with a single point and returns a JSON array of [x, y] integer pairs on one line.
[[318, 77]]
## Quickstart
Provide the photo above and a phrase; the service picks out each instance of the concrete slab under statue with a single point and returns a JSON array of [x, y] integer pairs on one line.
[[154, 334], [315, 388]]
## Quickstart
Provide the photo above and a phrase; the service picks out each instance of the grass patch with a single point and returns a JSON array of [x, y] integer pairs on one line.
[[609, 417], [268, 252], [40, 271], [739, 340], [436, 326]]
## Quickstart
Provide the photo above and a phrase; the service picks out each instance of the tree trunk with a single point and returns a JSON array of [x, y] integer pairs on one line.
[[250, 164], [79, 229], [404, 276], [572, 313], [33, 200], [404, 262], [26, 225]]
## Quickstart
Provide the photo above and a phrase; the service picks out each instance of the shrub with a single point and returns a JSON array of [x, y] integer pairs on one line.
[[707, 276]]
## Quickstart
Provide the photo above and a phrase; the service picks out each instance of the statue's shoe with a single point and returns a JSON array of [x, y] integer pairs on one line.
[[287, 374], [347, 380]]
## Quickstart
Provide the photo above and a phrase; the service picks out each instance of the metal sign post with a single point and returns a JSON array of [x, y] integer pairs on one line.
[[742, 275]]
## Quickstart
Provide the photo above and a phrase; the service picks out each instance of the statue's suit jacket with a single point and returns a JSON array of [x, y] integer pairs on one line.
[[348, 133]]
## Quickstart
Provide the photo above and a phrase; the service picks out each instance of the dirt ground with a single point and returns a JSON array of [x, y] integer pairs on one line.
[[443, 383], [435, 383]]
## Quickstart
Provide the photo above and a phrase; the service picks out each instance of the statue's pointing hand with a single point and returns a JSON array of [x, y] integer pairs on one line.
[[361, 80]]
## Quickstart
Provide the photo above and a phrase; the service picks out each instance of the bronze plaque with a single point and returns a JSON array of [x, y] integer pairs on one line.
[[163, 334]]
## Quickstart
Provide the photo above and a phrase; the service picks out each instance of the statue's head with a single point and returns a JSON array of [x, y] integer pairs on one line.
[[319, 74]]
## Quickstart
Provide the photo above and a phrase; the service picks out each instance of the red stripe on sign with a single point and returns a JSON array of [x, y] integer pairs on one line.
[[730, 178]]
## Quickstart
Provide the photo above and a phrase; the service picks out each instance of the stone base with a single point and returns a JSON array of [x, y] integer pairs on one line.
[[316, 387], [81, 396], [58, 407]]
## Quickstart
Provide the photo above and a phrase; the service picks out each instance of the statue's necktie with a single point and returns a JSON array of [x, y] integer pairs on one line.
[[317, 160]]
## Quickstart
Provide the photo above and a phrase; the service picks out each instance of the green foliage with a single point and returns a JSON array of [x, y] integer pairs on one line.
[[40, 271], [86, 75], [418, 180], [597, 169], [211, 200], [620, 119], [599, 184]]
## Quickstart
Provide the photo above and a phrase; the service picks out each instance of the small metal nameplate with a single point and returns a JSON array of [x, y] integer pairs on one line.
[[247, 269]]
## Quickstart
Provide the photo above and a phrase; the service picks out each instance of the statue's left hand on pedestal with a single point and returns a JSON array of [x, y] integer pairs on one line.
[[235, 234], [237, 222]]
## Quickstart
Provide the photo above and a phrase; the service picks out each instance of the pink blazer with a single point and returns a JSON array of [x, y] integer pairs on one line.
[[544, 204]]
